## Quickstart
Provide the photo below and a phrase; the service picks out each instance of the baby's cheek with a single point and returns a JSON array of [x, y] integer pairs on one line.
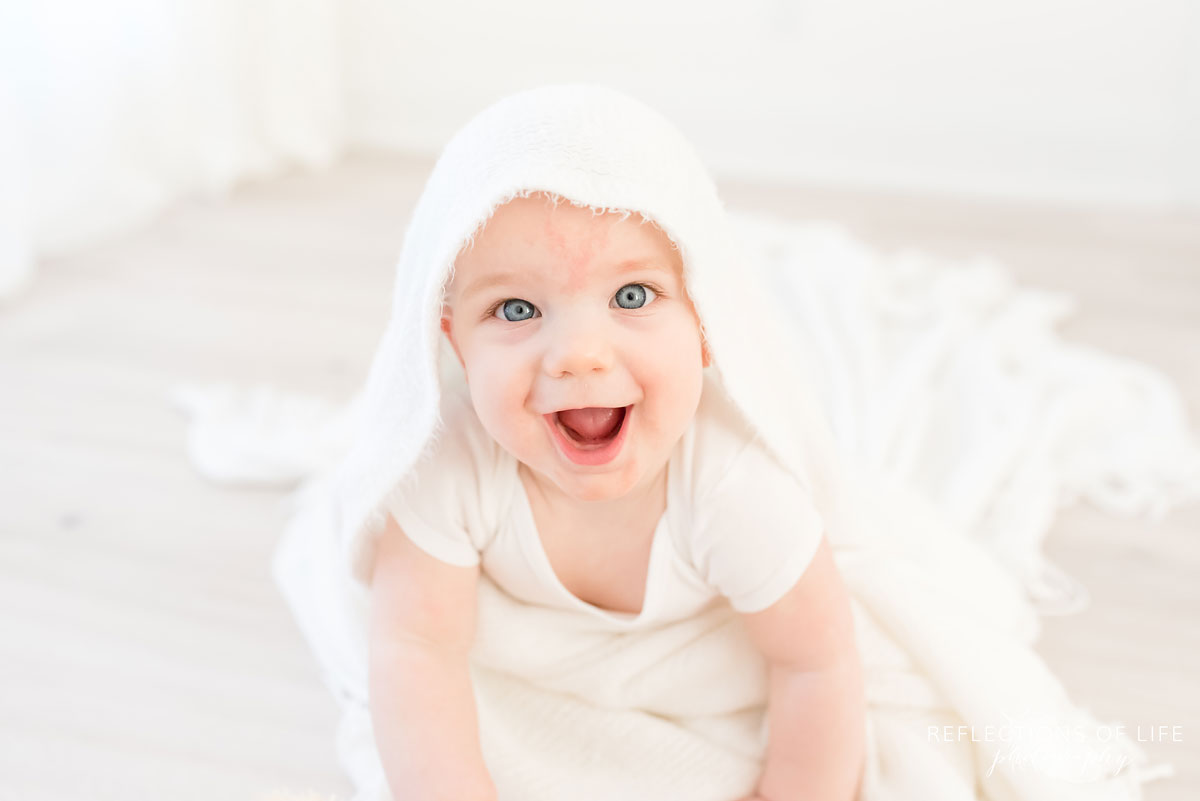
[[500, 392]]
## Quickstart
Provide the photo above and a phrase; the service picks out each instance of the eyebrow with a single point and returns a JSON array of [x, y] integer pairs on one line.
[[499, 279]]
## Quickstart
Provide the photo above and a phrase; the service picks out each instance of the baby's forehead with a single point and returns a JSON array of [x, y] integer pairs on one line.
[[554, 238]]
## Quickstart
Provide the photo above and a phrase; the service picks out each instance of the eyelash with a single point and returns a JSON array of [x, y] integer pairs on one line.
[[491, 312]]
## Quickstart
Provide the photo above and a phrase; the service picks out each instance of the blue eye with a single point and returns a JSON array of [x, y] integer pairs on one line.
[[514, 310], [634, 296], [630, 296]]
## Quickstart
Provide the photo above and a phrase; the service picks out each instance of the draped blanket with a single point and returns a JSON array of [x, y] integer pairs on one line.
[[969, 423]]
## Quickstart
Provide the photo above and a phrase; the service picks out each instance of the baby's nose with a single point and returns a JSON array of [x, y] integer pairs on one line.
[[578, 348]]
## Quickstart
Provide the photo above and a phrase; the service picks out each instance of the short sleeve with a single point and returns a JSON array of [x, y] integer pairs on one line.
[[756, 531], [442, 504]]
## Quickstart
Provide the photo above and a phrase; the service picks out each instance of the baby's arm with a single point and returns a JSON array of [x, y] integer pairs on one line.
[[816, 710], [422, 624]]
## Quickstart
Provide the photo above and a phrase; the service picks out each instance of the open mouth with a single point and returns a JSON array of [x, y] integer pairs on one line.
[[591, 427], [593, 435]]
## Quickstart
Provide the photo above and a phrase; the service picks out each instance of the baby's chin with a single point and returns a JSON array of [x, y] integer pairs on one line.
[[630, 482]]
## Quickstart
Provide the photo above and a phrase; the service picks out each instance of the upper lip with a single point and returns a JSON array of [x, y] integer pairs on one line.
[[590, 406]]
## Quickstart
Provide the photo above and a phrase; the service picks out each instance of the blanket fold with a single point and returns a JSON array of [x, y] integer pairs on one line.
[[930, 409], [967, 417]]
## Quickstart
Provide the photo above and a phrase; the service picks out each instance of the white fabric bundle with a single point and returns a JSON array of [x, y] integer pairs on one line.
[[944, 629]]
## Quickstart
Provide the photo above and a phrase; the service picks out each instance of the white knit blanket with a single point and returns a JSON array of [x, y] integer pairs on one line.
[[971, 423]]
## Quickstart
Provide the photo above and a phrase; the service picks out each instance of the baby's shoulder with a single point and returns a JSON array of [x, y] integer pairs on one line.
[[450, 500], [752, 527]]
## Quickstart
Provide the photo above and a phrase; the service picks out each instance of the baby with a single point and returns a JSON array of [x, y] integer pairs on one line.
[[594, 464]]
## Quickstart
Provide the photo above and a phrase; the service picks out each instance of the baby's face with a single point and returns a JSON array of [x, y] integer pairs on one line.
[[555, 309]]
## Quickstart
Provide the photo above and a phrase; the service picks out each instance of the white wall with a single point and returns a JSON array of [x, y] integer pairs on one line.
[[1082, 101], [110, 111]]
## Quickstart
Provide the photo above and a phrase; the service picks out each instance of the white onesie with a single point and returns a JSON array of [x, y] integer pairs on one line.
[[736, 524]]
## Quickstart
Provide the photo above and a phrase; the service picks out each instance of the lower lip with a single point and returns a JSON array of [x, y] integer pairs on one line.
[[589, 456]]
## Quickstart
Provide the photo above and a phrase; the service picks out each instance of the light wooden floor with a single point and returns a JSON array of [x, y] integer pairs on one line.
[[144, 652]]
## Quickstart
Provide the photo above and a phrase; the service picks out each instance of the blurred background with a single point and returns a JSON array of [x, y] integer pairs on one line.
[[111, 110], [211, 190]]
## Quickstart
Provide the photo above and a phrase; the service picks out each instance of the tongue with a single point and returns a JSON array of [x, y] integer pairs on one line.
[[591, 423]]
